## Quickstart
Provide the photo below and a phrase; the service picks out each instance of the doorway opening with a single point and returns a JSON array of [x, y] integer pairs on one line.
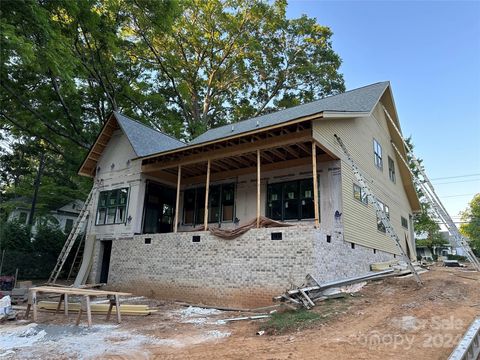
[[159, 208], [107, 252]]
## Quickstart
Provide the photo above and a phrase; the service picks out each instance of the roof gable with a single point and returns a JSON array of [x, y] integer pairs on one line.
[[145, 140], [361, 100]]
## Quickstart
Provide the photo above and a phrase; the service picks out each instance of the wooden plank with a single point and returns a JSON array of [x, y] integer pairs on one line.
[[79, 316], [65, 304], [34, 305], [76, 291], [117, 304], [252, 170], [59, 303], [177, 200], [207, 186], [304, 294], [110, 307], [89, 311], [238, 136], [258, 187], [315, 184], [301, 136]]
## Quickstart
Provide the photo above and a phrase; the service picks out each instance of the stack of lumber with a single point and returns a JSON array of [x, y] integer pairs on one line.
[[125, 309], [313, 292]]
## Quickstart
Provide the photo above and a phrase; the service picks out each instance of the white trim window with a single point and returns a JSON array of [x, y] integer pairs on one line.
[[112, 207], [359, 194], [377, 154]]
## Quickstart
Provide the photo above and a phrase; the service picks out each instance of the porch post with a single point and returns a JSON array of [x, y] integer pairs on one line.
[[177, 201], [207, 185], [315, 183], [258, 188]]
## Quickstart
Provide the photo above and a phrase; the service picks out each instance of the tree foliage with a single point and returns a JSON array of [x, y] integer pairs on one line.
[[180, 66], [470, 226]]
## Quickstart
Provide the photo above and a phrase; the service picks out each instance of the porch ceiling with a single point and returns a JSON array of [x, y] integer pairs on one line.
[[280, 148]]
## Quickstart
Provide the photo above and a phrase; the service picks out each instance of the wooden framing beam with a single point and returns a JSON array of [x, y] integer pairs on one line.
[[207, 185], [258, 188], [304, 148], [315, 184], [177, 200], [300, 136], [291, 152], [251, 170]]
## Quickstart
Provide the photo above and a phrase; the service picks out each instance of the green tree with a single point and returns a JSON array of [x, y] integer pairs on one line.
[[232, 59], [180, 66], [470, 226]]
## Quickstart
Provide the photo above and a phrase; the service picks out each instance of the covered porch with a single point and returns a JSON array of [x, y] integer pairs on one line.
[[273, 173]]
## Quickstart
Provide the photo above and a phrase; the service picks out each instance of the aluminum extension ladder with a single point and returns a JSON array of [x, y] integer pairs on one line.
[[72, 237], [379, 210], [430, 195]]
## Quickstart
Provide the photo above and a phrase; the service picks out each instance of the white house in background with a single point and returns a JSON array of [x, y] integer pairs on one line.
[[63, 217]]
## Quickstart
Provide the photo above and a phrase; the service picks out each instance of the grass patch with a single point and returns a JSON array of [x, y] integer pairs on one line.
[[280, 323]]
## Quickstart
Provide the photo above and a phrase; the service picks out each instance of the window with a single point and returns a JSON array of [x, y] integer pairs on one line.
[[68, 225], [221, 201], [292, 200], [377, 153], [22, 217], [391, 169], [380, 225], [404, 222], [359, 194], [112, 207], [193, 206]]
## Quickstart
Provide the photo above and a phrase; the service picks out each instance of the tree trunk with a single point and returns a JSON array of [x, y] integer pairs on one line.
[[38, 178]]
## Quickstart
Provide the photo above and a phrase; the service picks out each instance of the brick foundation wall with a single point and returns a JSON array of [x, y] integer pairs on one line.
[[244, 272], [337, 259]]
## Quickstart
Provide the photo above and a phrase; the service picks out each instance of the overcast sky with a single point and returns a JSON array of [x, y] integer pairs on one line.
[[430, 52]]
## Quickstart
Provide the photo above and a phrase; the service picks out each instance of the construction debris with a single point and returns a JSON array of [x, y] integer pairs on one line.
[[255, 317], [313, 292], [452, 263], [230, 234]]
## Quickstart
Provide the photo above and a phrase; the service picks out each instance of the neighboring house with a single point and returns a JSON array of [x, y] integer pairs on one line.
[[151, 207], [63, 217]]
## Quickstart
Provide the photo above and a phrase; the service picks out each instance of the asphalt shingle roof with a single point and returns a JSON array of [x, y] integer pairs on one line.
[[145, 140], [358, 100]]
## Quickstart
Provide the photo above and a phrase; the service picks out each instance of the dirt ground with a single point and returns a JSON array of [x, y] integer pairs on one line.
[[387, 319]]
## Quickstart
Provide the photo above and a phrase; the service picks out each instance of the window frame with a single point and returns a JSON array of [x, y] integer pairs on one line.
[[363, 197], [112, 210], [199, 204], [68, 229], [404, 222], [391, 170], [299, 199], [377, 156]]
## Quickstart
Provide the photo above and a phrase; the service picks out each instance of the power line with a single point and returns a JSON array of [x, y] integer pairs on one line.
[[451, 196], [458, 181], [454, 177]]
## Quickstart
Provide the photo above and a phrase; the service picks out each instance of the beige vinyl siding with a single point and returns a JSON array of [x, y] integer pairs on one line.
[[360, 223]]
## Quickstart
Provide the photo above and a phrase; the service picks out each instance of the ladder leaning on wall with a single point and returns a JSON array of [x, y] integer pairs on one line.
[[78, 225], [379, 210], [432, 198]]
